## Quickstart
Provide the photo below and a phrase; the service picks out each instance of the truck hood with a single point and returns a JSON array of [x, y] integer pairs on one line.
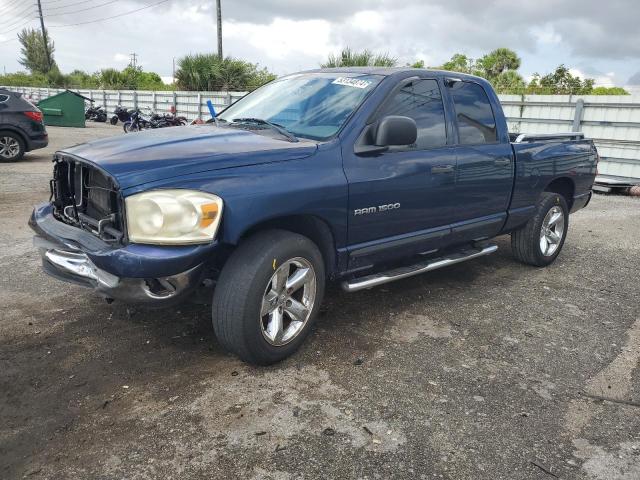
[[153, 155]]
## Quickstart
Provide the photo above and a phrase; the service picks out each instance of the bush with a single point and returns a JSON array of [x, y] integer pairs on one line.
[[365, 58], [206, 72]]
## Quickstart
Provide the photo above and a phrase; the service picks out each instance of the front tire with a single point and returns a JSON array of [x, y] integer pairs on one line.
[[12, 147], [268, 296], [540, 241], [129, 127]]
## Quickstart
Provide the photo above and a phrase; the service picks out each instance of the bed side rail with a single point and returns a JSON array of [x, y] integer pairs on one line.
[[536, 137]]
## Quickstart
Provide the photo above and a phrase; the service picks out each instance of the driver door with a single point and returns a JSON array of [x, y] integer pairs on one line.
[[401, 200]]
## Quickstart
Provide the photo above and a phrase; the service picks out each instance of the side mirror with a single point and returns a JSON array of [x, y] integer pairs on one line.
[[391, 130], [396, 130]]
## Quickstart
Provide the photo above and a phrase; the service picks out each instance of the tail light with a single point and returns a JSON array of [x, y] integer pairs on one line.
[[37, 116]]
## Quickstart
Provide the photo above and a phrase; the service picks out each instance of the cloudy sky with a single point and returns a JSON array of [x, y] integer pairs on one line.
[[597, 39]]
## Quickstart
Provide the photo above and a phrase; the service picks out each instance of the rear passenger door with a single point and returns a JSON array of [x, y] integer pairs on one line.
[[484, 174]]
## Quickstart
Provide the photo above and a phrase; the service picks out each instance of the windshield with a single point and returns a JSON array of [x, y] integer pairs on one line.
[[309, 105]]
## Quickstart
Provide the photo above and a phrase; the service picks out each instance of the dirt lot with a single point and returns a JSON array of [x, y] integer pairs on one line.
[[485, 370]]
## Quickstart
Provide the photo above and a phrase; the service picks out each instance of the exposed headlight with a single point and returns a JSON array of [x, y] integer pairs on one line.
[[173, 217]]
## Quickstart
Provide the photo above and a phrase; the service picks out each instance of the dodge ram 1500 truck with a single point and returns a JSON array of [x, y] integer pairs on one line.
[[357, 175]]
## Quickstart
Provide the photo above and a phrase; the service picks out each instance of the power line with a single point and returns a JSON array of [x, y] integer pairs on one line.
[[5, 30], [65, 6], [13, 3], [109, 18], [81, 9], [16, 8], [19, 16], [48, 2]]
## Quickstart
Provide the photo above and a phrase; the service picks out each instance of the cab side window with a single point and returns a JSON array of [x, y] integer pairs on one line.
[[422, 101], [476, 123]]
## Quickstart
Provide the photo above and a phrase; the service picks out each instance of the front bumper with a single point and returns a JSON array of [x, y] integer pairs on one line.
[[133, 273]]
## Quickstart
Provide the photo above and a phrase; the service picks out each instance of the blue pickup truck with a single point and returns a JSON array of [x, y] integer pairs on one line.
[[360, 176]]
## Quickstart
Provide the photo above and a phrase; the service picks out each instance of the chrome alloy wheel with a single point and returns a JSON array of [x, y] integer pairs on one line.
[[551, 231], [9, 147], [288, 301]]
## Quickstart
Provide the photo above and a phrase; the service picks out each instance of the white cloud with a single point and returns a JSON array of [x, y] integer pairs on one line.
[[546, 34], [368, 21], [289, 35], [601, 80], [282, 38]]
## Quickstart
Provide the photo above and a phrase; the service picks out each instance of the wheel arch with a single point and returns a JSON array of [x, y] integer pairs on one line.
[[562, 186], [311, 226], [17, 131]]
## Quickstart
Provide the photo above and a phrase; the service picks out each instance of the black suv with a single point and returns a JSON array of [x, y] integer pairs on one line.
[[21, 126]]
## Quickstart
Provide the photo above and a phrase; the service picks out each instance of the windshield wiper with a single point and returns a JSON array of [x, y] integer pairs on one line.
[[274, 126]]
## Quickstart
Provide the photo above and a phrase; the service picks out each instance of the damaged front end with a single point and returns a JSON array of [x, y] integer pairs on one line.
[[87, 198], [81, 235]]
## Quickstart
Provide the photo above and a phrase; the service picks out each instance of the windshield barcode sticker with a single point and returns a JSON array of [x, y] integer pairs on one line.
[[351, 82]]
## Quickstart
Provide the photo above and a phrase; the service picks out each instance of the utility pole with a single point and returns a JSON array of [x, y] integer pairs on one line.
[[219, 16], [44, 35], [133, 62]]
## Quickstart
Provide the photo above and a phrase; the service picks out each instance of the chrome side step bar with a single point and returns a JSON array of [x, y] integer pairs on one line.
[[376, 279]]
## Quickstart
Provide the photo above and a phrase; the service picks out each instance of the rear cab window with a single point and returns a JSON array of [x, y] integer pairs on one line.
[[474, 115]]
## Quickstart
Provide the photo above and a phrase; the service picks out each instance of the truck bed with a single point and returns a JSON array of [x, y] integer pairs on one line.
[[540, 159]]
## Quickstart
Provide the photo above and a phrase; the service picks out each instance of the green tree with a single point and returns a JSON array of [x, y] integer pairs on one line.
[[509, 81], [500, 60], [560, 82], [416, 64], [81, 79], [608, 91], [364, 58], [34, 55], [111, 78], [208, 72], [460, 63]]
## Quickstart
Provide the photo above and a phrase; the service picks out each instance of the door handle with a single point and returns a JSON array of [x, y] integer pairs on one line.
[[442, 169], [502, 162]]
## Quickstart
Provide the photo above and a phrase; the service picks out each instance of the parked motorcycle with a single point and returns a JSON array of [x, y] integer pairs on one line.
[[140, 121], [136, 123], [120, 114], [95, 113], [173, 120]]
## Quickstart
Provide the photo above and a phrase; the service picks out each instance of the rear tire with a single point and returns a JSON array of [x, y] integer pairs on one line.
[[268, 296], [12, 146], [540, 241]]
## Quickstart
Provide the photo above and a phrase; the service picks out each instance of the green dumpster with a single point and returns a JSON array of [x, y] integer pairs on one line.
[[65, 109]]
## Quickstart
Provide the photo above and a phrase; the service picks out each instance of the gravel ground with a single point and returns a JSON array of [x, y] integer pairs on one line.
[[485, 370]]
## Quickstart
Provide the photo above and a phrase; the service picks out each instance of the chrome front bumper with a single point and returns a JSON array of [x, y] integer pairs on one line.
[[76, 267]]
